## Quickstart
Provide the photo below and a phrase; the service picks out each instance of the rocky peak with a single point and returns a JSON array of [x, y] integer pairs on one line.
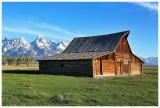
[[39, 48], [5, 38], [65, 44], [21, 39]]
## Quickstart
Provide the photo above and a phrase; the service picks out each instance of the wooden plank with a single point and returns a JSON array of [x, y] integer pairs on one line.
[[129, 62], [123, 46], [105, 57], [98, 67], [142, 68], [118, 68], [122, 72], [122, 56], [108, 67], [94, 68], [135, 59], [135, 68]]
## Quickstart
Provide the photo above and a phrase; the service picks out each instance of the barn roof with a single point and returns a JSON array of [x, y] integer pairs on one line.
[[90, 47], [76, 56], [100, 43]]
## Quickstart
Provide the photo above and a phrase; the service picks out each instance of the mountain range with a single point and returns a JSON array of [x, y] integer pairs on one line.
[[41, 48], [150, 61]]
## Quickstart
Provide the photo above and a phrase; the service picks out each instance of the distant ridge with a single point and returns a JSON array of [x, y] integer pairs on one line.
[[150, 61]]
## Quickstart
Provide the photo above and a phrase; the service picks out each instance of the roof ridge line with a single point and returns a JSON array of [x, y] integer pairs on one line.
[[102, 35]]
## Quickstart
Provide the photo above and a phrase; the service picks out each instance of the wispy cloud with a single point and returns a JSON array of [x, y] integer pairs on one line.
[[38, 28], [32, 32], [149, 5], [54, 28]]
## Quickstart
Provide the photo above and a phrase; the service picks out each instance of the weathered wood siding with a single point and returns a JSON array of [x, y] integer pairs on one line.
[[123, 46], [103, 67], [117, 67], [136, 65], [122, 55], [107, 57], [136, 68], [123, 58], [135, 59], [120, 62], [108, 67], [123, 52], [94, 63], [98, 67], [68, 67]]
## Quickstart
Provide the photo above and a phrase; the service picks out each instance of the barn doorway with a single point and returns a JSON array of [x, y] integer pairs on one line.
[[99, 67], [127, 68], [118, 67], [123, 67]]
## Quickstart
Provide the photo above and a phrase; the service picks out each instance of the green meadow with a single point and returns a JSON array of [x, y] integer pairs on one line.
[[25, 87]]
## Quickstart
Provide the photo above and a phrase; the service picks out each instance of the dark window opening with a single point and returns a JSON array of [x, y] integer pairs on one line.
[[101, 67], [62, 65]]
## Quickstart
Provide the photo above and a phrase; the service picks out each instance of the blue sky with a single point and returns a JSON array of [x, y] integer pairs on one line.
[[66, 20]]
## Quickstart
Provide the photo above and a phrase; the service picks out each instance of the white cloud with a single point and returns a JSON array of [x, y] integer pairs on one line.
[[149, 5], [32, 32], [54, 28], [38, 28]]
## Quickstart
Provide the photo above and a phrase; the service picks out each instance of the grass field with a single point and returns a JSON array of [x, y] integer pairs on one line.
[[22, 67], [25, 87]]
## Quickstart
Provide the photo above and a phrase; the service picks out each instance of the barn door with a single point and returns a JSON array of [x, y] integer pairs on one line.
[[118, 67], [126, 66], [98, 64]]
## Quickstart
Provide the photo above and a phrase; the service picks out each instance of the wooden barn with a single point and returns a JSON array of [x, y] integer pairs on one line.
[[94, 56]]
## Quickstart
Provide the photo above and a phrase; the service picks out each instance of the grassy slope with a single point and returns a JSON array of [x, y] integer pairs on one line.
[[46, 90]]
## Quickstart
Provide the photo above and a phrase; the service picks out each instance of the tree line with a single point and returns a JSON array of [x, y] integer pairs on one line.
[[18, 60]]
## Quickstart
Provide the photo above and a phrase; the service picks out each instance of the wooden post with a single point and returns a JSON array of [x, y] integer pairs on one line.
[[94, 68], [142, 68], [122, 67], [115, 64], [129, 66]]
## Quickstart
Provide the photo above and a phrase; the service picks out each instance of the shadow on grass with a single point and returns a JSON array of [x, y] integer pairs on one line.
[[22, 71], [37, 72]]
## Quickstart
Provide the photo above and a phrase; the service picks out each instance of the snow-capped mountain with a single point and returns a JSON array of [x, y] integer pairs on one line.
[[150, 61], [39, 48]]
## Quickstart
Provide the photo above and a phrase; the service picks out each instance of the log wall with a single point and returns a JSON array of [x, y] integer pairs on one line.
[[72, 67]]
